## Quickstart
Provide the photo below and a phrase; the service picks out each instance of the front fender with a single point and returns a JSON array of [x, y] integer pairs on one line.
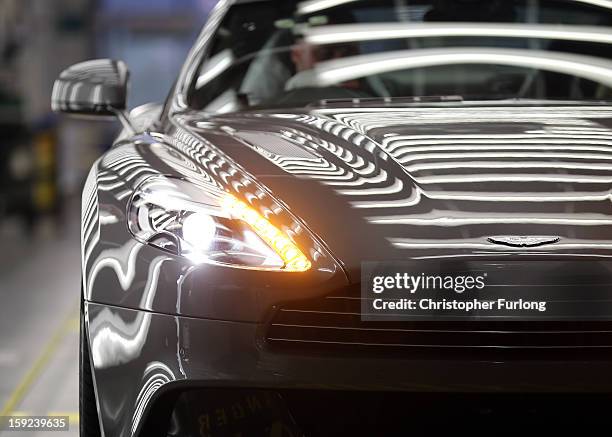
[[118, 270]]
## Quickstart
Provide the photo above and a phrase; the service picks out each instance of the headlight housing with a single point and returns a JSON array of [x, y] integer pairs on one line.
[[207, 225]]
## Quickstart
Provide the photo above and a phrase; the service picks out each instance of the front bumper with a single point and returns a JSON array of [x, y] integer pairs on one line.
[[138, 356]]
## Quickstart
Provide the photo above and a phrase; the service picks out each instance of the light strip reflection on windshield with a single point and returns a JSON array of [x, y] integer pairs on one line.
[[338, 71], [311, 6], [379, 31]]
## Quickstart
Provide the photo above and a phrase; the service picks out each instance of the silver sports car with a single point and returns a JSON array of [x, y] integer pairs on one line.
[[227, 232]]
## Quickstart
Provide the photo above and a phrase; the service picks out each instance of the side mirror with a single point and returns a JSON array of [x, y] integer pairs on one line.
[[97, 87]]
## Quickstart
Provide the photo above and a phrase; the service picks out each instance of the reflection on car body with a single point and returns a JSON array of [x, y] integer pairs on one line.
[[223, 235]]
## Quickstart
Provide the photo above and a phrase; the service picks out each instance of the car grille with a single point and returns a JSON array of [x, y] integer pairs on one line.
[[332, 324]]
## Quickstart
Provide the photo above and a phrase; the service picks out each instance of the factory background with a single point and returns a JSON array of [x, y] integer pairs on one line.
[[44, 160]]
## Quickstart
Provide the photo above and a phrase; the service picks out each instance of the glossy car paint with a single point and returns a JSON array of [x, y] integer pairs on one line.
[[352, 184], [91, 87], [154, 318]]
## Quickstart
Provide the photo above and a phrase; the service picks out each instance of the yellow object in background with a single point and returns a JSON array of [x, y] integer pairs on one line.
[[45, 192]]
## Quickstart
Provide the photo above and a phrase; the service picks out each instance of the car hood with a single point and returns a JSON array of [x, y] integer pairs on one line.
[[418, 182]]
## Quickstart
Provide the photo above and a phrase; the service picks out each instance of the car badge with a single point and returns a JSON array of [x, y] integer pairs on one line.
[[524, 240]]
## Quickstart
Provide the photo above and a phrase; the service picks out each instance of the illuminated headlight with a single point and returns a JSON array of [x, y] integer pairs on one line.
[[207, 225]]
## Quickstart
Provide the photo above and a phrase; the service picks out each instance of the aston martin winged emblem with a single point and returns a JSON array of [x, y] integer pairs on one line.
[[524, 240]]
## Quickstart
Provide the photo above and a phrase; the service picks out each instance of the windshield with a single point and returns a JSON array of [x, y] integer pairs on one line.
[[290, 53]]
